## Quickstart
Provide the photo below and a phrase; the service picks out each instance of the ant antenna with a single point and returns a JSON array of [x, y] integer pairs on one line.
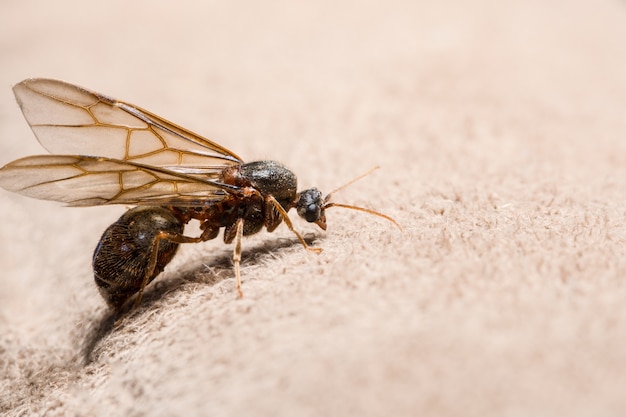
[[352, 181], [328, 204]]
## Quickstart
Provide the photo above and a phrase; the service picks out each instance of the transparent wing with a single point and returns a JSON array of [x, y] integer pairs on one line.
[[89, 181], [71, 120]]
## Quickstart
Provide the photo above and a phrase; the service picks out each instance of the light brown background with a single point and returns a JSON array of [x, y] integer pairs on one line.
[[500, 129]]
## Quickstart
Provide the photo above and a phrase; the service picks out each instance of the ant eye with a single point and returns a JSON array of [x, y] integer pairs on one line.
[[312, 213]]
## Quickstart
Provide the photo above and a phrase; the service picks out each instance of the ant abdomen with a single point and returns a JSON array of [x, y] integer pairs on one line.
[[122, 258]]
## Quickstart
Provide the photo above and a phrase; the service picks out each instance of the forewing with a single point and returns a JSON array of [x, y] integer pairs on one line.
[[89, 181], [71, 120]]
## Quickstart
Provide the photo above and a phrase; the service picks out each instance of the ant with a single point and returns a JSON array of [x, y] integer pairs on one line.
[[106, 151]]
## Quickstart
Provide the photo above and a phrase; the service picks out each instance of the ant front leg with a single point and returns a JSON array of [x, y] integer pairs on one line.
[[283, 214]]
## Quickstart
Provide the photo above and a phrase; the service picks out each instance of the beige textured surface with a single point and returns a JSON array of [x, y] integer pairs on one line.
[[501, 133]]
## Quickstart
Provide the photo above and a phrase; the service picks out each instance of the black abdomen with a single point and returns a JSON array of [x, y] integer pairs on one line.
[[121, 259]]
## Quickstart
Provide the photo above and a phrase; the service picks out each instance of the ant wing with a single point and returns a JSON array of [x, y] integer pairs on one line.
[[90, 181], [68, 119]]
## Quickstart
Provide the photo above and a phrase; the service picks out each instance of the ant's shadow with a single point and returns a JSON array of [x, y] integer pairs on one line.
[[220, 268]]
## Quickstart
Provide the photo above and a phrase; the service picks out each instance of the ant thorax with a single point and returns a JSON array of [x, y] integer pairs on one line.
[[270, 178]]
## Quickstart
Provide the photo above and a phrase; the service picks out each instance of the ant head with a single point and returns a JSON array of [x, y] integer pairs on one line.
[[310, 207]]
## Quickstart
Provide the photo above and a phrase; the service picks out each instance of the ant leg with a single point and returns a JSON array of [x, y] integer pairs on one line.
[[285, 217], [207, 234], [237, 255]]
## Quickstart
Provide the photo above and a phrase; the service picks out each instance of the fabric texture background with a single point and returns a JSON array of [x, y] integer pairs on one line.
[[500, 132]]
